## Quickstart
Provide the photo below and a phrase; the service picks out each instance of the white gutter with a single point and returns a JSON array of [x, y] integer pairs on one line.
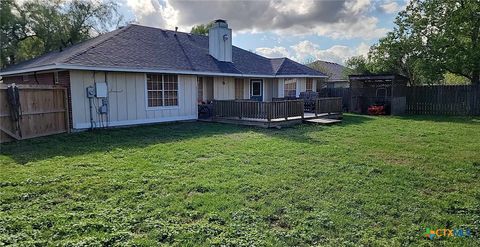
[[117, 69], [30, 70]]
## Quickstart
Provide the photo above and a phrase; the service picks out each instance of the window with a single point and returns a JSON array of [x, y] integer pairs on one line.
[[309, 85], [256, 88], [162, 90], [290, 88]]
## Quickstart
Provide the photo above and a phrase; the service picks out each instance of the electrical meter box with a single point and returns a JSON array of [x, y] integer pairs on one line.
[[101, 90], [90, 92]]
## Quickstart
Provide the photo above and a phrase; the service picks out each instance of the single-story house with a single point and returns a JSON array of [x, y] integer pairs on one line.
[[138, 74], [337, 74]]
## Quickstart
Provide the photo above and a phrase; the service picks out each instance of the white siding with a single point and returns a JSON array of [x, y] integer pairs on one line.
[[127, 99], [224, 88], [275, 88], [281, 86], [301, 85], [246, 88], [268, 89]]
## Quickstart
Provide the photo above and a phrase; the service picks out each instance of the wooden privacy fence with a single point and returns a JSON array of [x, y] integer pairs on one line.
[[44, 111], [258, 110], [444, 100], [344, 93], [328, 105]]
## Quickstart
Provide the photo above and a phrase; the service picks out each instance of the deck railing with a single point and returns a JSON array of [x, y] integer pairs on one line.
[[328, 105], [244, 109]]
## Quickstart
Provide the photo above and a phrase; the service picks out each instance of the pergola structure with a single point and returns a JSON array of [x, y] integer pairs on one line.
[[388, 90]]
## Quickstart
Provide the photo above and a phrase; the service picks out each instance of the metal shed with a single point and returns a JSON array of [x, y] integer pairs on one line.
[[388, 90]]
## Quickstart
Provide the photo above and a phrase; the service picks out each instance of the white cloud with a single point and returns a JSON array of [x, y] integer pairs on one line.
[[153, 13], [391, 7], [307, 50], [366, 28], [358, 6], [362, 49], [276, 51], [294, 6], [334, 19]]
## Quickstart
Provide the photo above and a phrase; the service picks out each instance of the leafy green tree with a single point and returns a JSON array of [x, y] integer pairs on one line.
[[358, 65], [29, 48], [12, 29], [201, 29], [431, 38], [37, 27], [453, 79], [451, 30]]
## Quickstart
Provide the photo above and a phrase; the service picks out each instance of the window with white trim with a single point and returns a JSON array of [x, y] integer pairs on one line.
[[290, 88], [309, 85], [162, 90]]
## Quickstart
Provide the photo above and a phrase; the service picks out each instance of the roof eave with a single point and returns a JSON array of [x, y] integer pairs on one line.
[[29, 70], [301, 75], [145, 70]]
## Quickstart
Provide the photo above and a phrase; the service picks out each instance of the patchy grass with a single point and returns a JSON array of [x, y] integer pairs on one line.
[[369, 181]]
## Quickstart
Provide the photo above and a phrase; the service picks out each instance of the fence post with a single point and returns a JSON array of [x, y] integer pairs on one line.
[[240, 113], [285, 109], [214, 109], [268, 109], [302, 107], [471, 101]]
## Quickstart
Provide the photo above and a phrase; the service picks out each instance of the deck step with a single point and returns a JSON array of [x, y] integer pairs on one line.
[[324, 121]]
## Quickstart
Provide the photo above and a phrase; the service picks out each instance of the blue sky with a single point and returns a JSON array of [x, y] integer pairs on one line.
[[302, 30]]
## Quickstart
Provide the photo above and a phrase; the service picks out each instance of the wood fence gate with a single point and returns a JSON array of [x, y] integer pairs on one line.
[[44, 111]]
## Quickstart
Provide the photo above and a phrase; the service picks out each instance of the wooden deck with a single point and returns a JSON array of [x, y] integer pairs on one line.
[[323, 121], [276, 114]]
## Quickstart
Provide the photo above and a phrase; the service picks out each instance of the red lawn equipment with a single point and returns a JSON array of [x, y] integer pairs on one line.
[[376, 110]]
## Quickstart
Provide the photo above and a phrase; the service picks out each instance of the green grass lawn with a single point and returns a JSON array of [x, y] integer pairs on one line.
[[369, 181]]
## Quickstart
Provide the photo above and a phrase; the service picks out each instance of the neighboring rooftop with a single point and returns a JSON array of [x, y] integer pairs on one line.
[[335, 71], [136, 47]]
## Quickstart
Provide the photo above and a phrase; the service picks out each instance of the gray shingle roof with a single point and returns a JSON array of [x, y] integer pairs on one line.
[[290, 67], [141, 47], [335, 71]]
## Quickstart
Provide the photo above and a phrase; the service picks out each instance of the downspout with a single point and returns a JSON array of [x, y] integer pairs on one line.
[[108, 100]]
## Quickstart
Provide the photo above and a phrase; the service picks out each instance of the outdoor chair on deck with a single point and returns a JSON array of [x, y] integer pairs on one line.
[[309, 99]]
